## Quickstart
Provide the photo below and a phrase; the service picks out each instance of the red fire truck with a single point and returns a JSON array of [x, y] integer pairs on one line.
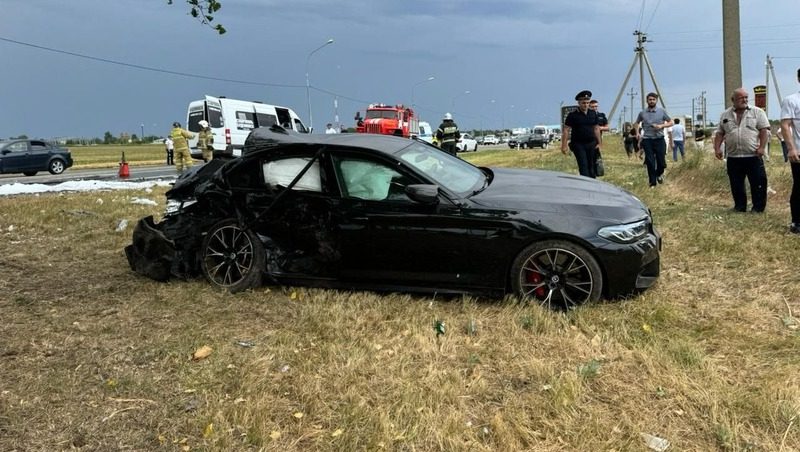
[[397, 120]]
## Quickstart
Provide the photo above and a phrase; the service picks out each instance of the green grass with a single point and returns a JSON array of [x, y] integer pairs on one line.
[[109, 156], [97, 358]]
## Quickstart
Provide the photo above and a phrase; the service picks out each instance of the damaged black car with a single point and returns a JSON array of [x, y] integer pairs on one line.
[[375, 212]]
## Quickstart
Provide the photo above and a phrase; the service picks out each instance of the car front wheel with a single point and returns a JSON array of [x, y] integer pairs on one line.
[[556, 274], [232, 258], [56, 166]]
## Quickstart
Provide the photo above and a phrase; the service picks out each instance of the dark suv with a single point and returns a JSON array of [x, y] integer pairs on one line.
[[31, 156]]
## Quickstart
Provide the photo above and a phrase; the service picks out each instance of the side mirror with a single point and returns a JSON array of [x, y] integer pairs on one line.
[[423, 194]]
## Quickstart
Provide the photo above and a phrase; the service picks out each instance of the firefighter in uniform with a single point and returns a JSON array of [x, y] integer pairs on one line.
[[183, 159], [205, 141], [447, 135]]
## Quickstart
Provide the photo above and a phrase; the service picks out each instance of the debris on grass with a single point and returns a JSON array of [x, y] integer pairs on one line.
[[122, 225], [144, 201], [655, 443], [202, 353]]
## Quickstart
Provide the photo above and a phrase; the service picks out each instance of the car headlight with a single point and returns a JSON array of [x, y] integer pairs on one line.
[[625, 233], [174, 206]]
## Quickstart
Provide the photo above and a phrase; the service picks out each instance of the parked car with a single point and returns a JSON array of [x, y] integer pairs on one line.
[[31, 156], [490, 140], [537, 140], [520, 141], [377, 212], [466, 143]]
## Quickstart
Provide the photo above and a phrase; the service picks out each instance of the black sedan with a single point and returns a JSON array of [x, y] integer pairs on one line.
[[31, 156], [362, 211]]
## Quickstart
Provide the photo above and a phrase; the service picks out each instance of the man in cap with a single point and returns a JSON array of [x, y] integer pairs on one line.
[[329, 130], [582, 133], [205, 141], [183, 159], [448, 134], [653, 120]]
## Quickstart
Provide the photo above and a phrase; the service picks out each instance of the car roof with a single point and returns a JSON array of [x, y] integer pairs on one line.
[[267, 137]]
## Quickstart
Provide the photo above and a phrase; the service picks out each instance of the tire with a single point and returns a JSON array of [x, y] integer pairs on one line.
[[556, 274], [475, 149], [30, 173], [56, 166], [232, 258]]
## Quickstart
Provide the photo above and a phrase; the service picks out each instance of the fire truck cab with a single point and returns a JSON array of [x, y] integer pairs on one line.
[[397, 120]]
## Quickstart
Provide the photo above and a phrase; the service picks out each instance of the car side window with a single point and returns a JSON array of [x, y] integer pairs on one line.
[[19, 146], [245, 120], [266, 120], [370, 180], [38, 146], [281, 173]]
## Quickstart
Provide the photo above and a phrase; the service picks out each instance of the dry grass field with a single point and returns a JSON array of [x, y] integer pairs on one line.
[[94, 357], [108, 156]]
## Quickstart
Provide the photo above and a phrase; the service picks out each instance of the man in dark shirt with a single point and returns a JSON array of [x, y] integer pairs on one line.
[[582, 133]]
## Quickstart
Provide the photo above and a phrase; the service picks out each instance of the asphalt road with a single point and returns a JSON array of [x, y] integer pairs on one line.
[[136, 174]]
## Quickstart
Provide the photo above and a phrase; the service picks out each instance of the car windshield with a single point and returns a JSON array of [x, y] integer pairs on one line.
[[449, 172]]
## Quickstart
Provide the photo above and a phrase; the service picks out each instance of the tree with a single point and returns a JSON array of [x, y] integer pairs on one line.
[[108, 138], [203, 11]]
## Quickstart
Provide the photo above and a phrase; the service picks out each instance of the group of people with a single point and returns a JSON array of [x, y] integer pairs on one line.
[[177, 145], [743, 133]]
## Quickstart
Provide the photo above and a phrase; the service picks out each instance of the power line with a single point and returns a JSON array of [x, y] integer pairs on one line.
[[652, 16], [147, 68]]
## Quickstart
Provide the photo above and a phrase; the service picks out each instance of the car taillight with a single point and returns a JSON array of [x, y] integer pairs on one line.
[[227, 136]]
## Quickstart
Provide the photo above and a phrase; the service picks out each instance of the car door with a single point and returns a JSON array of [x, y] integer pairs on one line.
[[14, 156], [387, 237], [39, 155]]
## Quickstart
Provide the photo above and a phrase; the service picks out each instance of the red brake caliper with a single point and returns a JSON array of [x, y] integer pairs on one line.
[[536, 278]]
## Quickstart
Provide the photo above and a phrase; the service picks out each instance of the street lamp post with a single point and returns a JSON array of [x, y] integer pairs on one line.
[[429, 79], [141, 138], [308, 83]]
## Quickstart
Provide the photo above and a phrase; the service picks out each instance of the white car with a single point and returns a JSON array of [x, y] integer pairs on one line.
[[490, 139], [466, 143]]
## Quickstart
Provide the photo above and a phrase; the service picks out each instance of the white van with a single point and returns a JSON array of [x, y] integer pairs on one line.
[[426, 133], [232, 120]]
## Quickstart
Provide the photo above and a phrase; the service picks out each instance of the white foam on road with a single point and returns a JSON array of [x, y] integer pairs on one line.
[[79, 185]]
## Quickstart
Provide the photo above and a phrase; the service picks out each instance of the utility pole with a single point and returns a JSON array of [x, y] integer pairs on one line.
[[632, 94], [731, 49], [771, 69], [640, 56], [703, 107]]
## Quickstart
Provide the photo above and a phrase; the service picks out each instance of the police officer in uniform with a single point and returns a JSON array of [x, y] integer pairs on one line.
[[183, 159], [447, 135], [582, 133], [205, 141]]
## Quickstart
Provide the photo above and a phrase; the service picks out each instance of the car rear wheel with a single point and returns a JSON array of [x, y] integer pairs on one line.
[[232, 258], [556, 274], [30, 173], [56, 166]]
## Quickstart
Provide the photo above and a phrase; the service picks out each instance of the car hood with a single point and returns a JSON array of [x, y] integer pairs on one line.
[[559, 193]]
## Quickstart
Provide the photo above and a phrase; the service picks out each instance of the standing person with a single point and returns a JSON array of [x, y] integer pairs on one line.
[[582, 133], [448, 134], [170, 150], [329, 129], [205, 141], [632, 142], [653, 120], [676, 136], [790, 127], [744, 129], [183, 159], [602, 121]]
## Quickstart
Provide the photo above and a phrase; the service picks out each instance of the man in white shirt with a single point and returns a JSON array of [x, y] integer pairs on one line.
[[676, 135], [329, 129], [790, 128]]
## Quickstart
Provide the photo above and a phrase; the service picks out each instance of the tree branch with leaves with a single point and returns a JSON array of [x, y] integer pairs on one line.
[[203, 11]]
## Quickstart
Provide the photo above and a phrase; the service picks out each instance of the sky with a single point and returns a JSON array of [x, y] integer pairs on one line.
[[494, 64]]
